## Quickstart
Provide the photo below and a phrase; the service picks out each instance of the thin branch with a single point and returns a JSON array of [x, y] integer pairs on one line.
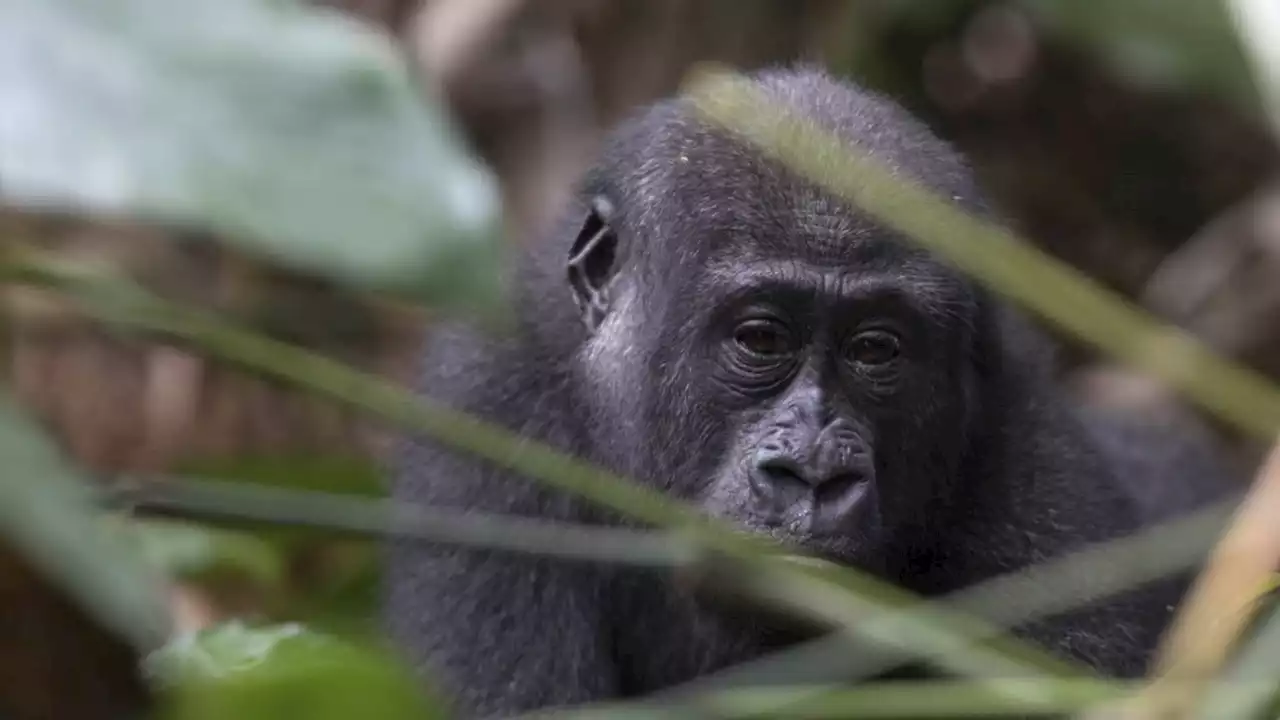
[[1222, 601], [1255, 670], [364, 517]]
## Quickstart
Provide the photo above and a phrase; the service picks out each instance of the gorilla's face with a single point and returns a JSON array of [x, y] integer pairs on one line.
[[826, 393], [780, 359]]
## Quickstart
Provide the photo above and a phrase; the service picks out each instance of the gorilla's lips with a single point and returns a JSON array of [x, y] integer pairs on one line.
[[837, 548], [852, 545], [839, 521]]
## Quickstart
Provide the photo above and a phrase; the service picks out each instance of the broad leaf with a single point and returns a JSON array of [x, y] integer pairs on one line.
[[284, 671], [190, 550], [297, 132], [48, 513], [327, 473]]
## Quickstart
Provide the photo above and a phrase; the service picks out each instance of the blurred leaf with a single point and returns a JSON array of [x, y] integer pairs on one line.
[[1250, 680], [296, 131], [49, 514], [1257, 24], [284, 671], [1162, 42], [345, 601], [1270, 586], [327, 473], [323, 473], [340, 594], [191, 550]]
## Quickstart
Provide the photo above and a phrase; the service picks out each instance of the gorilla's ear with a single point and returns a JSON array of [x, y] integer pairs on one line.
[[592, 262]]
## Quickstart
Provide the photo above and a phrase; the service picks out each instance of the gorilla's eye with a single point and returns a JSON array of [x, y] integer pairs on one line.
[[766, 339], [873, 347]]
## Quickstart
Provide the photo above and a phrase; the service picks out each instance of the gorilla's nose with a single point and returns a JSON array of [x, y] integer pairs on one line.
[[789, 471], [833, 488], [781, 470]]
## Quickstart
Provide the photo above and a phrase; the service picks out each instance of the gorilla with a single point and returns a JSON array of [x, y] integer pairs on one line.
[[711, 324]]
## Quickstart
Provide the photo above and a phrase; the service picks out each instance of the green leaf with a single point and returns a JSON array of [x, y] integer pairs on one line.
[[327, 473], [283, 671], [298, 132], [48, 513], [1161, 42], [189, 550]]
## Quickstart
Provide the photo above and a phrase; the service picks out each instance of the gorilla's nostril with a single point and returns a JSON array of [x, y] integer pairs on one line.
[[783, 471]]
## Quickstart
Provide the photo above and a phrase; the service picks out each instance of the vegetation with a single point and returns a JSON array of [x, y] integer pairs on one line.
[[301, 139]]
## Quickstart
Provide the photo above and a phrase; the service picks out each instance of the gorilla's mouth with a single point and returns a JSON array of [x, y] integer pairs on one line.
[[843, 528], [844, 531], [854, 549]]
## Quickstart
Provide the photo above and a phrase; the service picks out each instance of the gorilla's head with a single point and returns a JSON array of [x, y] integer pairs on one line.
[[764, 348]]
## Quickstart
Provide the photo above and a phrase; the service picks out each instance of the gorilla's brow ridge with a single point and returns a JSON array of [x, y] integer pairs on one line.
[[926, 293]]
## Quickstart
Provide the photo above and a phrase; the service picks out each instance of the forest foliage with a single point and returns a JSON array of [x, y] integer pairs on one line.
[[303, 138]]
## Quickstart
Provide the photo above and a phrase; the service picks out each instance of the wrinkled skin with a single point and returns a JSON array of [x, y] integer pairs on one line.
[[707, 323]]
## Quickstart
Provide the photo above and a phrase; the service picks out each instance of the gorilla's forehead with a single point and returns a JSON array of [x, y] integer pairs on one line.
[[699, 201], [730, 219], [736, 207], [703, 187], [677, 171]]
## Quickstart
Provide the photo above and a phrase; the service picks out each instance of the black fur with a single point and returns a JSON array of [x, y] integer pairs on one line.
[[964, 458]]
